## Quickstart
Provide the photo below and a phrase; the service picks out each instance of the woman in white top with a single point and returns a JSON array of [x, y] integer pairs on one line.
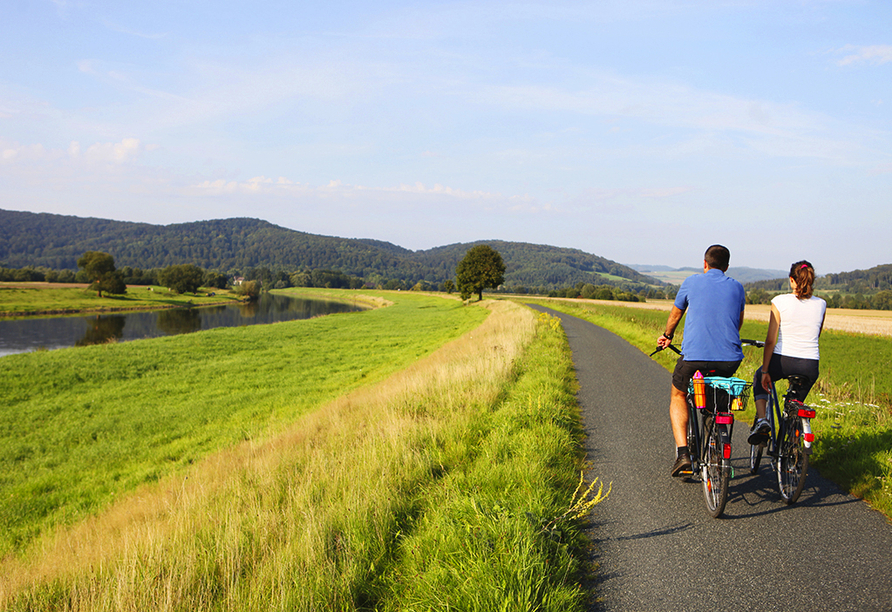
[[791, 346]]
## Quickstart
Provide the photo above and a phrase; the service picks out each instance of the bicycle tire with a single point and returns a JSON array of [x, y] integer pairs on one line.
[[755, 457], [792, 462], [714, 472], [693, 447]]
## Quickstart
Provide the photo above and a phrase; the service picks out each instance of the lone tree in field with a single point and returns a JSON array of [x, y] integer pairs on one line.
[[182, 278], [481, 267], [100, 269]]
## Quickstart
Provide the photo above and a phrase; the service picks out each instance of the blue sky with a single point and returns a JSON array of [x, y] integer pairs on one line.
[[639, 130]]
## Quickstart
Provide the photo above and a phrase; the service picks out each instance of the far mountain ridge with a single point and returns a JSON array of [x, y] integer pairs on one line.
[[675, 276], [239, 244]]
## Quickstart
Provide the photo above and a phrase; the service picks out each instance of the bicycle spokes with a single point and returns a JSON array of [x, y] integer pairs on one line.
[[792, 460]]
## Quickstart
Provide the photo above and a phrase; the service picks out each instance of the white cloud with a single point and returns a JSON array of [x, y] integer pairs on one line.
[[874, 54], [112, 152]]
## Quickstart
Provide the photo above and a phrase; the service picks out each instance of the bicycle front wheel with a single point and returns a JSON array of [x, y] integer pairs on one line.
[[755, 457], [792, 462], [714, 471]]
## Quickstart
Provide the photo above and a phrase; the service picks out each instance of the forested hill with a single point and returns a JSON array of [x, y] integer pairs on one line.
[[878, 278], [236, 245]]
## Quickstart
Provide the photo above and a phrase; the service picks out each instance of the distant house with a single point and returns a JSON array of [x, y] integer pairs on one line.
[[237, 280]]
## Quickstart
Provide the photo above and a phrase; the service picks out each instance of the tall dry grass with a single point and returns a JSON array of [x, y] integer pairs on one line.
[[302, 521]]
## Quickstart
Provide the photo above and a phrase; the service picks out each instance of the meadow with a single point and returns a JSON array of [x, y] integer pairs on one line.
[[30, 299], [423, 455], [853, 395]]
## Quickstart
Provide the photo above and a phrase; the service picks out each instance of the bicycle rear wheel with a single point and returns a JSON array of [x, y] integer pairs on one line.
[[713, 473], [792, 462]]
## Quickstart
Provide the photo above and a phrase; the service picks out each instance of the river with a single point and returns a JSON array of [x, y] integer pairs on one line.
[[25, 335]]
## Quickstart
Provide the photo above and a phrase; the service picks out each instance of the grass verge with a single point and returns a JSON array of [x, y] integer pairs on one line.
[[854, 424]]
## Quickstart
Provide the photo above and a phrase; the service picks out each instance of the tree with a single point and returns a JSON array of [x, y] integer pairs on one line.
[[250, 290], [215, 279], [481, 267], [183, 278], [100, 270]]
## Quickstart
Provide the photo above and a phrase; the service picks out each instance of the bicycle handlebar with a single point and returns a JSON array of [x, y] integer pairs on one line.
[[743, 341], [668, 346], [748, 342]]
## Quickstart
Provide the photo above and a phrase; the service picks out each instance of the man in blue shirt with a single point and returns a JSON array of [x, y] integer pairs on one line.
[[714, 304]]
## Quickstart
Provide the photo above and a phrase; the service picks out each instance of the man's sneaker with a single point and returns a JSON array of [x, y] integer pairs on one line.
[[759, 432], [682, 464]]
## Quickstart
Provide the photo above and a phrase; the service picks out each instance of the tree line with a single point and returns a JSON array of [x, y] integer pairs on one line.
[[860, 289]]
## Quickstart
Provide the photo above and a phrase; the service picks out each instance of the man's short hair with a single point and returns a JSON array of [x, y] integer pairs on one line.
[[718, 256]]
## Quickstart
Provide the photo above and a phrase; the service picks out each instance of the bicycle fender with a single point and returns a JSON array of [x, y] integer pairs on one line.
[[725, 440], [807, 437]]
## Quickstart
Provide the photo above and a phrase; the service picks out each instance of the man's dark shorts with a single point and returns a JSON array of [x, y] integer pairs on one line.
[[685, 370]]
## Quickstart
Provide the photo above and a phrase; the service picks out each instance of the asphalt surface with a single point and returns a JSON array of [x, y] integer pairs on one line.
[[654, 543]]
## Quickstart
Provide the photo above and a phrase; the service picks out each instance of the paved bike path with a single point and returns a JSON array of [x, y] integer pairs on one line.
[[656, 546]]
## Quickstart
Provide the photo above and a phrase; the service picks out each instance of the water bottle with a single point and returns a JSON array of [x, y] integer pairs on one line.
[[699, 391]]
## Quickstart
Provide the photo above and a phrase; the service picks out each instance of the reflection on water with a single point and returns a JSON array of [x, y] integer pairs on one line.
[[25, 335], [179, 321], [101, 329]]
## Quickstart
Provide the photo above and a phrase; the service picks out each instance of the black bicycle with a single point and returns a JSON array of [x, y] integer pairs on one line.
[[790, 439], [710, 400]]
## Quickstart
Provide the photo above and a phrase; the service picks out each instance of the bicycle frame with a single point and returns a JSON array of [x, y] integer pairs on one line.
[[710, 429], [789, 442], [775, 416], [709, 432]]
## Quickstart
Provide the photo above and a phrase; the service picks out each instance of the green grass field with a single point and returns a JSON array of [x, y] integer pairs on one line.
[[80, 426], [854, 423], [339, 463]]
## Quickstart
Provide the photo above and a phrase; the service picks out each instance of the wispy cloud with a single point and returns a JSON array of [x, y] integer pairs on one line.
[[131, 32], [265, 185], [116, 153], [874, 54]]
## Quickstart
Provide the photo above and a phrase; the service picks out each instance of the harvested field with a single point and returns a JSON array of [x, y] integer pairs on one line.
[[874, 322]]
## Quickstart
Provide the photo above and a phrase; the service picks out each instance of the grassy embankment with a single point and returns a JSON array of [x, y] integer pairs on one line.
[[29, 299], [853, 395], [286, 467]]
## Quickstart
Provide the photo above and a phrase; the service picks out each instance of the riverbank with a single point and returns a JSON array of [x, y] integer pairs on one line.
[[20, 300]]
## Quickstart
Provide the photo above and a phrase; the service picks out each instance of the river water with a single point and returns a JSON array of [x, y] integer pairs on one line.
[[24, 335]]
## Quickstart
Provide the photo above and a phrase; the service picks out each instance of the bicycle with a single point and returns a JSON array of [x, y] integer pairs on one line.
[[790, 439], [710, 427]]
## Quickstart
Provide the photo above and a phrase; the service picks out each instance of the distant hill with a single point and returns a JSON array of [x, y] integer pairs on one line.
[[675, 276], [236, 245], [873, 280]]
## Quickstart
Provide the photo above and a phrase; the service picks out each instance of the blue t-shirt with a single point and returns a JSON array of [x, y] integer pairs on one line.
[[713, 303]]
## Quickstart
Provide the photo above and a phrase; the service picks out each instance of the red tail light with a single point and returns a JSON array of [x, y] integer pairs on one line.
[[726, 451], [724, 418], [809, 437], [807, 413]]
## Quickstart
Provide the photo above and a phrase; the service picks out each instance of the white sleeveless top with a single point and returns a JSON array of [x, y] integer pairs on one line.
[[800, 325]]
